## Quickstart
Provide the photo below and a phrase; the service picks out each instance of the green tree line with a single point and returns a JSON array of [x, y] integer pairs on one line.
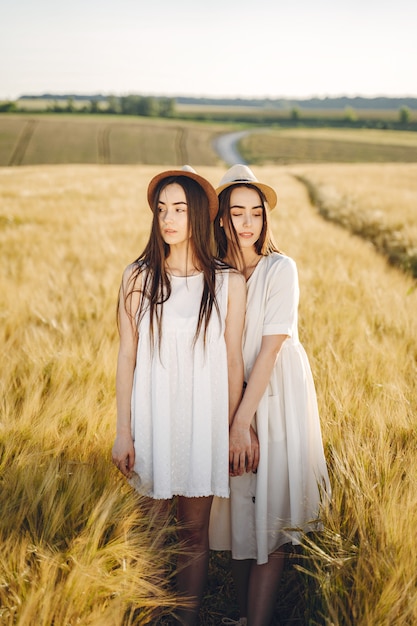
[[166, 107], [148, 106]]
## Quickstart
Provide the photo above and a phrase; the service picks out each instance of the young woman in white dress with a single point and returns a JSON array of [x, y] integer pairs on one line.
[[180, 337], [279, 402]]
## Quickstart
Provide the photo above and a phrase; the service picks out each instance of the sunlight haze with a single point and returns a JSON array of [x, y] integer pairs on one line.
[[233, 49]]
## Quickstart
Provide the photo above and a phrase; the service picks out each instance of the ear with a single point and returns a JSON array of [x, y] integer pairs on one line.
[[221, 222]]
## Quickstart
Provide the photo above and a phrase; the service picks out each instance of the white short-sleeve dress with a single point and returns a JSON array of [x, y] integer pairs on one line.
[[287, 490], [179, 403]]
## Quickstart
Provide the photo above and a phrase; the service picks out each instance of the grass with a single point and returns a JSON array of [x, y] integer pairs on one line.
[[77, 545]]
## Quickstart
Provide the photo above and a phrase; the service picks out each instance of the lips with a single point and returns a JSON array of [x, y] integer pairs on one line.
[[246, 235]]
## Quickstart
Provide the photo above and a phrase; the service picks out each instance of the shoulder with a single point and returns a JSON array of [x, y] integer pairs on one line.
[[278, 259], [129, 271], [231, 277], [280, 267], [132, 274], [232, 274], [236, 279], [278, 262]]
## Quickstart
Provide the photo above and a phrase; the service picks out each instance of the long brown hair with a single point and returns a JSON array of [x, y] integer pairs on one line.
[[263, 246], [150, 278]]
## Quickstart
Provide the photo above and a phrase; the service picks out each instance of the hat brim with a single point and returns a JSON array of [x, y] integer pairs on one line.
[[268, 192], [204, 184]]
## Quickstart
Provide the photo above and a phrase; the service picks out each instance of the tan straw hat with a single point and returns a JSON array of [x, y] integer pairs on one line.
[[239, 174], [189, 172]]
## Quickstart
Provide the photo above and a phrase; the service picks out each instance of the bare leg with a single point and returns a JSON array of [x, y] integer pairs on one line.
[[257, 587], [241, 574], [193, 522], [263, 587], [158, 511]]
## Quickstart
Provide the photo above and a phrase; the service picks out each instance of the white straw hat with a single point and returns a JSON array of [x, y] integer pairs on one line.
[[242, 174]]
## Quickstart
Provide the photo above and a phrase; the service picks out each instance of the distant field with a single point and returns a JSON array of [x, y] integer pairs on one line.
[[213, 110], [284, 113], [302, 145], [42, 139], [41, 104], [52, 139]]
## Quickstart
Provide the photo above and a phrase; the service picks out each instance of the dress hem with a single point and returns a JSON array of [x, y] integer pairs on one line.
[[184, 495]]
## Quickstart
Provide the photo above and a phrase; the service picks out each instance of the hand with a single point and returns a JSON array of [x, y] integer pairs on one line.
[[240, 450], [123, 454]]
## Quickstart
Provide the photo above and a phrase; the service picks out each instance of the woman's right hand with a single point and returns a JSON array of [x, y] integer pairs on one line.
[[123, 454], [243, 450]]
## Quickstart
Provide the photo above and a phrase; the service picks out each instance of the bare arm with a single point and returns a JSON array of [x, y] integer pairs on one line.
[[256, 386], [123, 453], [235, 321]]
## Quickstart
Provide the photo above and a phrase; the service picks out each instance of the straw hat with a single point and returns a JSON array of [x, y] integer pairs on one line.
[[239, 174], [189, 172]]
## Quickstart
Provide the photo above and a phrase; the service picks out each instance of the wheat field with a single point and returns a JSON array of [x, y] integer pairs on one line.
[[78, 546], [375, 201], [382, 193]]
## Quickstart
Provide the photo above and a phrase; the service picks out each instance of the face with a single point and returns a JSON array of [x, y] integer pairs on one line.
[[173, 215], [246, 215]]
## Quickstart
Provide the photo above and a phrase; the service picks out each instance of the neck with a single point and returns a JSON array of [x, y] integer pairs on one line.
[[181, 262], [247, 259], [250, 256]]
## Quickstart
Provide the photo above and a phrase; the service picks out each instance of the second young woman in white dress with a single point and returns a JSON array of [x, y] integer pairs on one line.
[[279, 402]]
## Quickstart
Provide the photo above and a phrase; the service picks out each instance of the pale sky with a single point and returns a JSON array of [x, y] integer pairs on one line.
[[235, 48]]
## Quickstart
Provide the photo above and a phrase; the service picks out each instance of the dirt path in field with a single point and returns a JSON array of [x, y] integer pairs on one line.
[[226, 147]]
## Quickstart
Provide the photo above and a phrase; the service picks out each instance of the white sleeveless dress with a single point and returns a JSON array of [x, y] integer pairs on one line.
[[286, 491], [179, 409]]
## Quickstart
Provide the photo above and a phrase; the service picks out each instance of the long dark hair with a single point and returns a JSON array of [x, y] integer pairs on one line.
[[149, 277], [263, 246]]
